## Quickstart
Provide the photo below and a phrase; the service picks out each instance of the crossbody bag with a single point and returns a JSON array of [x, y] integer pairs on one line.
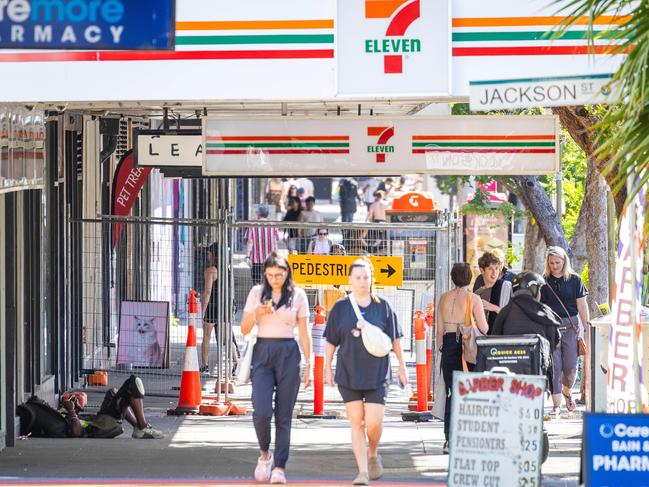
[[581, 344]]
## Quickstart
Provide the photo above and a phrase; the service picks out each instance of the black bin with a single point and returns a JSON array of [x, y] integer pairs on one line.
[[521, 354]]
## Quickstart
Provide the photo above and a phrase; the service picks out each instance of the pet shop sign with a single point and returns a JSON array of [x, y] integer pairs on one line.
[[158, 149], [127, 184], [87, 24]]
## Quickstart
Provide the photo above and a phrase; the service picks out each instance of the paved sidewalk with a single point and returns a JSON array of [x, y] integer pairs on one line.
[[202, 450]]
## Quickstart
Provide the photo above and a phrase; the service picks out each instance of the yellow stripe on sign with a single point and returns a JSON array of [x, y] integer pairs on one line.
[[334, 269]]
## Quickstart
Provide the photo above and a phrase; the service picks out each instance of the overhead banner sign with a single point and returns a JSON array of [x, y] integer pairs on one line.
[[159, 149], [509, 39], [87, 24], [615, 449], [496, 430], [334, 269], [492, 145], [393, 46], [542, 92]]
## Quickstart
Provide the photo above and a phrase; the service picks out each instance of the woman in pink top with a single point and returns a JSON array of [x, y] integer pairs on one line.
[[277, 307]]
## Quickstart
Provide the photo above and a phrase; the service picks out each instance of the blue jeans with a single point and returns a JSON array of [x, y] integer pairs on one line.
[[275, 370]]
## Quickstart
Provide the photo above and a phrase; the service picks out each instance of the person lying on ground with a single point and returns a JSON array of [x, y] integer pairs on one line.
[[39, 419]]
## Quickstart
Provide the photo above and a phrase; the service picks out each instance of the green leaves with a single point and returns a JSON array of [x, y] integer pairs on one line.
[[623, 133]]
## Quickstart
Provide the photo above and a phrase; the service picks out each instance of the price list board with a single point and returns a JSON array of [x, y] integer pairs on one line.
[[496, 430]]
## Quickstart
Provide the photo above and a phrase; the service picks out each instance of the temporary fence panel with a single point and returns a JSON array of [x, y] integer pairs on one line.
[[425, 250], [140, 325]]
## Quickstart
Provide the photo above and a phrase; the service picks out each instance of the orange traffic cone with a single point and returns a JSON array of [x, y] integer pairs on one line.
[[189, 399]]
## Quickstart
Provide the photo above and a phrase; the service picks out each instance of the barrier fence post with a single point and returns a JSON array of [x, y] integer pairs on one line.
[[317, 335], [189, 398], [422, 413], [430, 320]]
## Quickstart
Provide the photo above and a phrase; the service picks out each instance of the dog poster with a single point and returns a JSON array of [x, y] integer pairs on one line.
[[143, 333]]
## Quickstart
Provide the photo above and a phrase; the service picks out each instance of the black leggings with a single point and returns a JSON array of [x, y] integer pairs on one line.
[[451, 361]]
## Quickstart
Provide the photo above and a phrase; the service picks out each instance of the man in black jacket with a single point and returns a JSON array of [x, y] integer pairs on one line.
[[525, 314]]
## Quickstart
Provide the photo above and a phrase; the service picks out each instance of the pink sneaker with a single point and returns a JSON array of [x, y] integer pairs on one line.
[[263, 468], [278, 476]]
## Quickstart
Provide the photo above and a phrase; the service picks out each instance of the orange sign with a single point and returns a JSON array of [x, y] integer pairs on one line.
[[334, 269]]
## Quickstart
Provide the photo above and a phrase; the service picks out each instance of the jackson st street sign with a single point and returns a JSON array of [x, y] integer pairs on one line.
[[542, 92]]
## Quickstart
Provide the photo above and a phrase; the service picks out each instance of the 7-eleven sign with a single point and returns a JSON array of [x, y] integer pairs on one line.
[[393, 48], [394, 45], [383, 135]]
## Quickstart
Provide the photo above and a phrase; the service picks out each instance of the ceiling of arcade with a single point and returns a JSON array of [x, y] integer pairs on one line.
[[252, 109]]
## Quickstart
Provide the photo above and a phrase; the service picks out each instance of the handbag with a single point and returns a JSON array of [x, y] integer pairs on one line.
[[245, 364], [469, 333], [581, 343], [375, 341]]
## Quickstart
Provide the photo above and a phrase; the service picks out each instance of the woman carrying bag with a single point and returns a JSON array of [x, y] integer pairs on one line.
[[277, 307], [458, 309], [361, 376], [566, 294]]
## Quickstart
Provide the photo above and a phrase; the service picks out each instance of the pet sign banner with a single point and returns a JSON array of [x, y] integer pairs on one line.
[[143, 334], [493, 145], [398, 47], [87, 24], [496, 430]]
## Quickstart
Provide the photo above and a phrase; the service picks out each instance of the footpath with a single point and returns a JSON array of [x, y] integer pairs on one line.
[[202, 450]]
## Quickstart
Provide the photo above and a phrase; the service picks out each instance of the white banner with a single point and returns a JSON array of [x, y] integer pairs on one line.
[[491, 145], [622, 378], [509, 39], [393, 46], [158, 150], [496, 430], [541, 92]]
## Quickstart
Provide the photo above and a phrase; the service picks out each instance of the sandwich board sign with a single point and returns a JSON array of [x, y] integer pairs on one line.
[[496, 430]]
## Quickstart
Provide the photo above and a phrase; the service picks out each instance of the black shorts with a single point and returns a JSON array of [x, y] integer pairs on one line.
[[374, 396]]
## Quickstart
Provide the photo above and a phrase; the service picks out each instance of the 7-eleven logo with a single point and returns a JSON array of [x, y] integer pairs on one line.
[[401, 13], [384, 134]]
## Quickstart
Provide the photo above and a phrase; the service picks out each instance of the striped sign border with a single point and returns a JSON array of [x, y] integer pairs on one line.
[[529, 36], [513, 144], [277, 144]]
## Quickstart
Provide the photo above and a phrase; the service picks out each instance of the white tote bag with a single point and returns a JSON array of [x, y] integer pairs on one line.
[[243, 367], [376, 342]]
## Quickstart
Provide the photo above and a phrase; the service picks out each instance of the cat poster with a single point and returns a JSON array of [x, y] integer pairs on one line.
[[143, 334]]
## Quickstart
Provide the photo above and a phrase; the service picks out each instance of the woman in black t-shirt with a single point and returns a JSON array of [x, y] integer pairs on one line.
[[293, 210], [361, 377], [572, 308]]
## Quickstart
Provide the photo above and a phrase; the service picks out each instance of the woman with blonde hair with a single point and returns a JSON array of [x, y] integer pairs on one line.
[[362, 377], [566, 294]]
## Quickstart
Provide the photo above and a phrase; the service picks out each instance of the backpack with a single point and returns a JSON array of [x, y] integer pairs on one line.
[[40, 420]]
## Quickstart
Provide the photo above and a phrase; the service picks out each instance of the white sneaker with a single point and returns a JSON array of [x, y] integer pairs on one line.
[[263, 468], [147, 433], [278, 476]]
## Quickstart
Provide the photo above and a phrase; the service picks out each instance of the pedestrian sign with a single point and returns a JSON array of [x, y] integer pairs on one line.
[[334, 269]]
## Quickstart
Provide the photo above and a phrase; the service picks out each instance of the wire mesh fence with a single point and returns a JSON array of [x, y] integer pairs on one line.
[[134, 293]]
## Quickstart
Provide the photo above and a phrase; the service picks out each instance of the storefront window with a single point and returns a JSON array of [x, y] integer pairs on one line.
[[22, 155]]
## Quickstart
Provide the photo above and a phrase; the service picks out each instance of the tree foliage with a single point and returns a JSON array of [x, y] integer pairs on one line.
[[623, 132]]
